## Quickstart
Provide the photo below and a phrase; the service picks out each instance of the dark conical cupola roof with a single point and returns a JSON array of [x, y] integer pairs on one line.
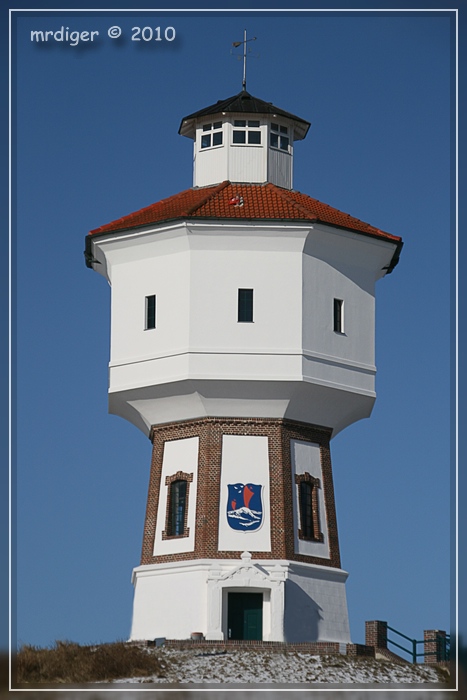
[[245, 103]]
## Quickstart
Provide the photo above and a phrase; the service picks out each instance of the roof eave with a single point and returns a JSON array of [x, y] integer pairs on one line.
[[260, 107], [89, 258], [395, 257]]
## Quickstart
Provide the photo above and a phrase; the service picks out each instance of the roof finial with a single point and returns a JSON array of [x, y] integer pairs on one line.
[[244, 42]]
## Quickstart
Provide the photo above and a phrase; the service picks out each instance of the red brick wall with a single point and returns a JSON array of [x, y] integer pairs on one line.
[[434, 647], [325, 648], [376, 633], [210, 431]]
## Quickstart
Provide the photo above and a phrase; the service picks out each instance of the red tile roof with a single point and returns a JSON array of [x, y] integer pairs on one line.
[[243, 201]]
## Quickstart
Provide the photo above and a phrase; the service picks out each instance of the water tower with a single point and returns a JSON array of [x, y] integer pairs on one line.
[[242, 341]]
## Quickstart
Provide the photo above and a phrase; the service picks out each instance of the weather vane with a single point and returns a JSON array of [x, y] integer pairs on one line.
[[236, 44]]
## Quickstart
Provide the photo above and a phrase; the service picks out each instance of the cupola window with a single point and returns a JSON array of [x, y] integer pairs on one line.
[[246, 131], [212, 135], [278, 137]]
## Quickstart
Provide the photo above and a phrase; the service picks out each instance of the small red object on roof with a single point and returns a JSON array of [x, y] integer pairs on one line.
[[236, 201]]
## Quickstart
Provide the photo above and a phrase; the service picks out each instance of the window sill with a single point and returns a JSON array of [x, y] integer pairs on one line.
[[211, 148], [318, 539], [166, 537], [280, 150]]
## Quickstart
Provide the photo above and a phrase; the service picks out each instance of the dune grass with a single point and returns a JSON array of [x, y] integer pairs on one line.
[[68, 662]]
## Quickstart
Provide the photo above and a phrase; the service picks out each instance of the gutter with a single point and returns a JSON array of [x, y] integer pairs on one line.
[[90, 259]]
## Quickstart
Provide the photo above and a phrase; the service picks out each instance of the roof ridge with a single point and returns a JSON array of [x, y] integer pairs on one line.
[[284, 194], [211, 193]]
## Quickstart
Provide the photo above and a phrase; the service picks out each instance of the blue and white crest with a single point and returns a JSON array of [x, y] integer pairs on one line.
[[245, 507]]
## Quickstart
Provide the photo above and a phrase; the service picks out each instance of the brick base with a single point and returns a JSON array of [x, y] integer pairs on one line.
[[210, 432], [318, 648]]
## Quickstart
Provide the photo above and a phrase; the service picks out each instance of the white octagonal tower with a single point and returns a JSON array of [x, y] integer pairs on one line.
[[242, 340]]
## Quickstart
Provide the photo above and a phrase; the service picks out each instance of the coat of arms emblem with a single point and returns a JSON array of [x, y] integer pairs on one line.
[[245, 507]]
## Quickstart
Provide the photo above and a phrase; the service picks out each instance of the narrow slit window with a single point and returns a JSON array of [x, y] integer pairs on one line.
[[245, 305], [338, 316], [150, 312]]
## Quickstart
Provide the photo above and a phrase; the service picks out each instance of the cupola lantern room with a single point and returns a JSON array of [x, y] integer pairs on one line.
[[242, 341], [243, 139]]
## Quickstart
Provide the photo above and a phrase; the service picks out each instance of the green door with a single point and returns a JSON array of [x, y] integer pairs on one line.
[[245, 616]]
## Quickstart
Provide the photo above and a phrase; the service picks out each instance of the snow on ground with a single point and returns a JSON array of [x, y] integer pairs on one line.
[[197, 673], [194, 667]]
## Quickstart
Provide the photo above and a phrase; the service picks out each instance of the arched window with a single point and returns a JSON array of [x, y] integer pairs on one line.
[[308, 507], [177, 508], [176, 517]]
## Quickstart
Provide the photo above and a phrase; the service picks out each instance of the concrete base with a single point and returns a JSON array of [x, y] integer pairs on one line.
[[301, 602]]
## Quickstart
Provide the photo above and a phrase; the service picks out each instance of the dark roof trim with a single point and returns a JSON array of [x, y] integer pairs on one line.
[[245, 103], [395, 258], [89, 258]]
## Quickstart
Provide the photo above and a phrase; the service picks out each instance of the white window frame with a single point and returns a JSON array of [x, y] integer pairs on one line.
[[280, 133], [210, 129], [248, 128]]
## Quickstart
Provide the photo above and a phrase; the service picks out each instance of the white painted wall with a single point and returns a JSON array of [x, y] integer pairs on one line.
[[200, 361], [245, 459], [302, 602], [218, 271], [169, 601], [242, 162], [306, 457], [210, 165], [280, 167], [247, 163], [316, 605], [179, 455], [143, 267], [336, 266]]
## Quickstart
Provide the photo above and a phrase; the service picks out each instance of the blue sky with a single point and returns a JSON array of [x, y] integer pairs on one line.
[[95, 137]]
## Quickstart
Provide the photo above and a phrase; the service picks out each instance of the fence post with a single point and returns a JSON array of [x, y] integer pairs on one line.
[[414, 651], [376, 634], [434, 646]]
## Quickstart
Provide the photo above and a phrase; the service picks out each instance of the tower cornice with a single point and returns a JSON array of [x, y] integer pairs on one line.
[[243, 202]]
